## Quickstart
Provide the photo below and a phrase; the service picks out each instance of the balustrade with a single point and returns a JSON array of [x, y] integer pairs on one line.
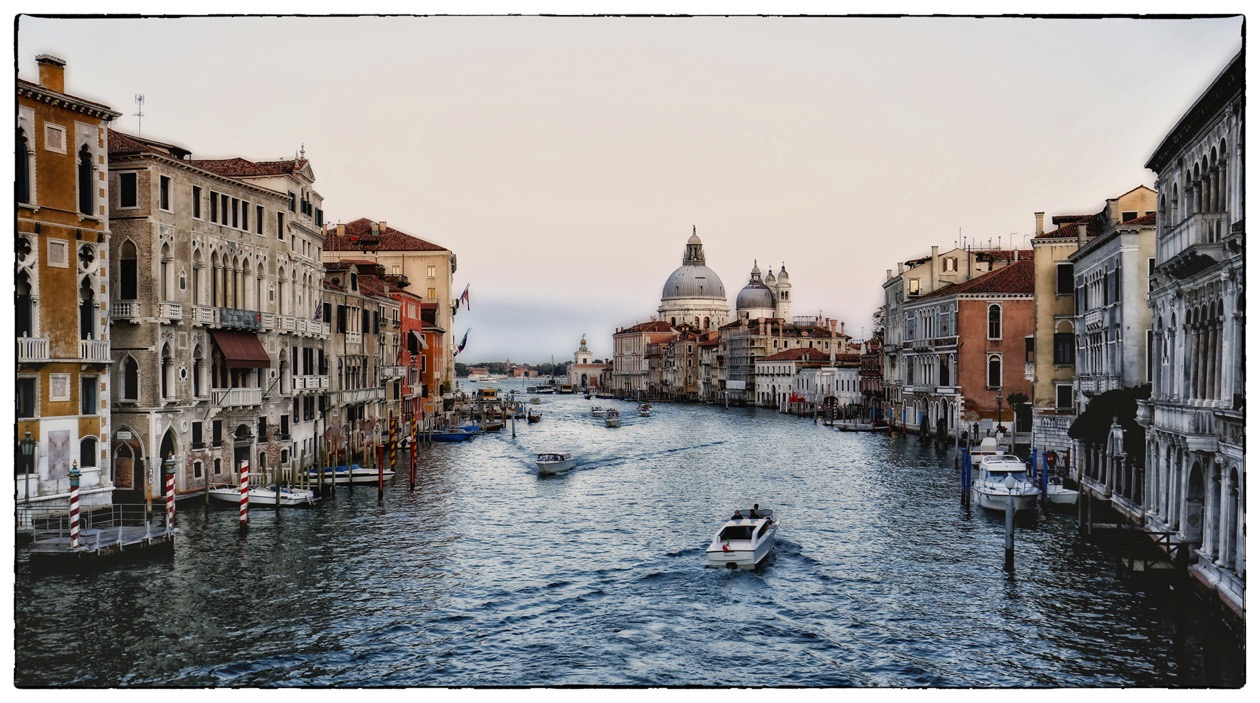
[[32, 349], [125, 310], [235, 397], [171, 312], [95, 350]]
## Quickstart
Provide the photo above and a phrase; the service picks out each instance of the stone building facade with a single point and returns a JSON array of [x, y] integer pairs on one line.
[[215, 310], [61, 293], [1196, 473]]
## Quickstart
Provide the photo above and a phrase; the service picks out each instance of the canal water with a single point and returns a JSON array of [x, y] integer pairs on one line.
[[490, 575]]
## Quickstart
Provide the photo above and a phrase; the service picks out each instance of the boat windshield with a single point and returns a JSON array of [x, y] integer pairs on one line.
[[737, 532], [551, 457], [998, 476]]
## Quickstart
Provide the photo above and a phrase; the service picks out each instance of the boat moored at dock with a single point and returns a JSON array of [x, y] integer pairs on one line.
[[287, 496], [991, 489]]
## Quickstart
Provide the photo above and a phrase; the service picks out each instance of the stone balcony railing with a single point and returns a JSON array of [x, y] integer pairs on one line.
[[362, 395], [32, 350], [94, 350], [171, 312], [310, 383], [1202, 229], [391, 372], [287, 323], [1093, 319], [354, 337], [128, 310], [268, 321], [237, 397], [204, 316], [1197, 425]]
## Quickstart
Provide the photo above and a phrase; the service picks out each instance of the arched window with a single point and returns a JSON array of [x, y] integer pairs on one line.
[[22, 167], [25, 321], [199, 366], [87, 453], [168, 373], [128, 272], [130, 379], [196, 277], [87, 316], [87, 199], [995, 371], [164, 273], [995, 321]]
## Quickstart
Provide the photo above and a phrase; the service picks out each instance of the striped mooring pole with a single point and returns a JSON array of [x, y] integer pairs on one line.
[[415, 437], [393, 442], [74, 505], [169, 465], [245, 494]]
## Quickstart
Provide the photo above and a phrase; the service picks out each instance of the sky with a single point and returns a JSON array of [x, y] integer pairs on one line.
[[565, 160]]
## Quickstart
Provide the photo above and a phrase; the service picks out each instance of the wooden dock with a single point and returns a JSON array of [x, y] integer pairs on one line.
[[122, 533]]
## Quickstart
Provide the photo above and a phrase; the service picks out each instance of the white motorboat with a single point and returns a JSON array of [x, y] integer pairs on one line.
[[645, 410], [555, 462], [597, 411], [354, 473], [265, 495], [1058, 494], [990, 484], [744, 540], [612, 418]]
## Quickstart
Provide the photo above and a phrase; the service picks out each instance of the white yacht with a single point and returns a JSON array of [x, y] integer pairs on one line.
[[612, 418], [265, 495], [990, 488], [645, 410], [555, 462], [597, 411], [744, 540]]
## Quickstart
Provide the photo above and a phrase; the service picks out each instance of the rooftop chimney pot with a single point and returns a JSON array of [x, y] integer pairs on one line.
[[52, 72]]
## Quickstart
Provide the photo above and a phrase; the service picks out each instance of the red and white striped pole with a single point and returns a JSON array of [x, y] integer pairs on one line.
[[245, 494], [415, 437], [170, 493], [74, 505]]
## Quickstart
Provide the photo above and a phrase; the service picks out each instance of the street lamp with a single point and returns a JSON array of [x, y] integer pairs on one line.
[[999, 410], [28, 462]]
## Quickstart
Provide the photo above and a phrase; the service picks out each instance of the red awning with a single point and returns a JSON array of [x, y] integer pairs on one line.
[[241, 349]]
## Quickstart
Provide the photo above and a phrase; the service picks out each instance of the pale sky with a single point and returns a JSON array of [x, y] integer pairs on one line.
[[565, 160]]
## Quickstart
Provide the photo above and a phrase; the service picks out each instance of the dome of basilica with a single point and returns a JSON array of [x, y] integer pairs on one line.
[[756, 294], [693, 279]]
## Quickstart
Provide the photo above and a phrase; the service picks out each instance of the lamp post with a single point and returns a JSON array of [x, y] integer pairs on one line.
[[28, 446], [999, 410]]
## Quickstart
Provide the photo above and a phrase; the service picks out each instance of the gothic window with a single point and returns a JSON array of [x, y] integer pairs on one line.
[[130, 379], [128, 281], [87, 316], [995, 371], [87, 201], [22, 167], [87, 453], [25, 321]]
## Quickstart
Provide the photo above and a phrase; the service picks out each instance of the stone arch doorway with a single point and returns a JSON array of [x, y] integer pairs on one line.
[[1195, 492], [127, 455], [242, 441]]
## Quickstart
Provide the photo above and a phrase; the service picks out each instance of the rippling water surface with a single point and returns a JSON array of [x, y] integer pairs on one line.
[[490, 575]]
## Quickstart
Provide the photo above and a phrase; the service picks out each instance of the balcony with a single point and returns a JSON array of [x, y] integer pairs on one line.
[[171, 312], [287, 323], [354, 337], [1197, 425], [237, 397], [392, 372], [268, 321], [94, 350], [128, 310], [204, 316], [1030, 370], [1093, 319], [310, 383], [236, 318], [1193, 244], [32, 350], [362, 395]]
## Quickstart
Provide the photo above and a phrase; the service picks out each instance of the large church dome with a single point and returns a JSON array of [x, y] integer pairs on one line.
[[693, 279]]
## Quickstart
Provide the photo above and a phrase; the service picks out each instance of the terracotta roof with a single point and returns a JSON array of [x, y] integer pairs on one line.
[[28, 84], [1141, 221], [801, 354], [1016, 278], [359, 237], [654, 326], [1067, 226], [238, 167], [121, 144]]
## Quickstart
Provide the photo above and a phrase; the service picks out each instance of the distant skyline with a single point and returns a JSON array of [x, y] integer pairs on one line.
[[566, 160]]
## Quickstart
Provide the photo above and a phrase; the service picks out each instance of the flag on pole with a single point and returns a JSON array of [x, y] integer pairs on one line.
[[463, 297], [462, 342], [319, 312]]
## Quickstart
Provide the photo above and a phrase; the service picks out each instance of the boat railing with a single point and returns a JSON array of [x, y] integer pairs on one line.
[[50, 523]]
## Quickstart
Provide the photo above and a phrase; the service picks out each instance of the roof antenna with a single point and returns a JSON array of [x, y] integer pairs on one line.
[[139, 111]]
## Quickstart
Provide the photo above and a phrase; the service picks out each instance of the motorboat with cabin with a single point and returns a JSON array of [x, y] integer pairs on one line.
[[1059, 494], [744, 540], [555, 462], [454, 434], [612, 418], [597, 411], [990, 486], [645, 410]]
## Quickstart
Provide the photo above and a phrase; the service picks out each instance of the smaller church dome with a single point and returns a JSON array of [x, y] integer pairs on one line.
[[755, 295], [783, 274]]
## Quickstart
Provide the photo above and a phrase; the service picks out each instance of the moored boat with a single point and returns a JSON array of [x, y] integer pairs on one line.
[[265, 495], [990, 487], [1058, 494], [555, 462], [853, 426], [452, 435], [744, 540], [341, 475]]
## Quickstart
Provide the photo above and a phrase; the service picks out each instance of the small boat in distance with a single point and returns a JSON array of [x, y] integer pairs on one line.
[[265, 495], [1058, 494], [597, 411], [612, 418], [853, 426], [645, 410], [452, 435], [534, 417], [555, 462], [744, 540]]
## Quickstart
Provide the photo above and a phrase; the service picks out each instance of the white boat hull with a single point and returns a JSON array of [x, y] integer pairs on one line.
[[548, 468], [996, 500], [356, 477], [263, 496], [612, 422], [741, 553], [1056, 494]]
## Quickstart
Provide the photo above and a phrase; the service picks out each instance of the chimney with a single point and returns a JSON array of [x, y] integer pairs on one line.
[[1041, 219], [842, 328], [888, 274], [1081, 228], [341, 230], [52, 72], [900, 268], [384, 227], [932, 275]]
